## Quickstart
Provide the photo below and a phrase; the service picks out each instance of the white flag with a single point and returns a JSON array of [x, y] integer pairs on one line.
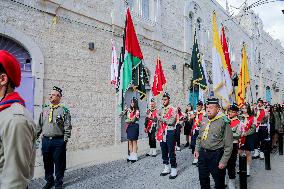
[[114, 65]]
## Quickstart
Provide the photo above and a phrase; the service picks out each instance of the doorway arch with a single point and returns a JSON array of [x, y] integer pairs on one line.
[[31, 60]]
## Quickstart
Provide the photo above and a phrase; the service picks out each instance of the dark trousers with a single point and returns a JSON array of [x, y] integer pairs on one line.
[[193, 140], [177, 133], [168, 149], [231, 165], [54, 154], [208, 162], [261, 135], [152, 139]]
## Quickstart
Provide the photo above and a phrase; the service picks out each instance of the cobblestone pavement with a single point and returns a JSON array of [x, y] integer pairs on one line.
[[145, 174]]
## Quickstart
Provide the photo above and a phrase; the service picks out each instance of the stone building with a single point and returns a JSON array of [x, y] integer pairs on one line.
[[52, 40]]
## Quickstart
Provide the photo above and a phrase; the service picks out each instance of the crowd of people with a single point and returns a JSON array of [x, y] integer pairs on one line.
[[215, 135]]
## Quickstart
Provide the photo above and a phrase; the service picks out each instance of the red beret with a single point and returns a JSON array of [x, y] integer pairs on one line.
[[11, 66]]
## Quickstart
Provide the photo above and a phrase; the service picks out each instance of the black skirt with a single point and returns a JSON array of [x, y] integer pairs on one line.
[[132, 131], [249, 143], [187, 127]]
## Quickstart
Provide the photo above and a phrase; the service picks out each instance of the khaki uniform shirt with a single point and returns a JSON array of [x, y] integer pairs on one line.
[[59, 126], [17, 147], [169, 122], [220, 136]]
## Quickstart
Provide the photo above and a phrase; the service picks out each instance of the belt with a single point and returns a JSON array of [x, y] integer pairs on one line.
[[206, 150], [170, 128], [53, 137]]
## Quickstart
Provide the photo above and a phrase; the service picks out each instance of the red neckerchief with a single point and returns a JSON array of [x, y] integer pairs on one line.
[[10, 99], [163, 127], [198, 120], [260, 116], [247, 125], [234, 122], [150, 122]]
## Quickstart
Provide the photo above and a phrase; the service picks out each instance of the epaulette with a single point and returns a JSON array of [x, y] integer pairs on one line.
[[66, 110], [45, 105], [226, 119]]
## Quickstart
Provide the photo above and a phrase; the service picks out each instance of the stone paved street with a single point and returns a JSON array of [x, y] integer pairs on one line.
[[145, 174]]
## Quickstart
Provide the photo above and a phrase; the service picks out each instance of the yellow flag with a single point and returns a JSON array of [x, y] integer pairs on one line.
[[244, 79]]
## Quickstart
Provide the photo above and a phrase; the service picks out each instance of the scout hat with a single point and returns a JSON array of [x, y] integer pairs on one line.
[[57, 89], [212, 101]]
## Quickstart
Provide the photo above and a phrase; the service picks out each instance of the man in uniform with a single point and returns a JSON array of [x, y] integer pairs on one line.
[[151, 127], [17, 129], [55, 126], [166, 137], [214, 146], [262, 129]]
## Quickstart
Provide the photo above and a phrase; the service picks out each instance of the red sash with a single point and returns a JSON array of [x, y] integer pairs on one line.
[[246, 128], [150, 122], [197, 121], [234, 123], [260, 117], [163, 127], [131, 116]]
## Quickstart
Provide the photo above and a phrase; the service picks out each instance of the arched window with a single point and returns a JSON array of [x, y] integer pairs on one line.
[[198, 30], [190, 26]]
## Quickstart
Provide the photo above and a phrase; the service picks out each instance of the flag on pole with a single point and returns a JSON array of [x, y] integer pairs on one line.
[[222, 85], [196, 66], [114, 66], [133, 55], [226, 51], [244, 79], [159, 79]]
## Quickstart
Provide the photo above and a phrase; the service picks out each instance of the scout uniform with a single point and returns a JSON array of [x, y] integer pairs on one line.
[[246, 142], [55, 126], [166, 137], [17, 132], [236, 129], [150, 128], [195, 129], [179, 125], [132, 128], [262, 119], [214, 145]]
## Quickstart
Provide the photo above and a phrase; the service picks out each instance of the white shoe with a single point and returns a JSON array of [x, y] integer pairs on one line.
[[195, 161], [232, 184], [256, 154], [173, 174], [261, 155], [248, 170], [154, 152], [166, 171], [150, 152], [134, 157], [178, 148], [130, 157]]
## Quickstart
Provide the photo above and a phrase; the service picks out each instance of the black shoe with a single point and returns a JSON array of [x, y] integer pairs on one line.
[[153, 155], [172, 177], [48, 186], [248, 175], [164, 174], [148, 155], [58, 187], [187, 144]]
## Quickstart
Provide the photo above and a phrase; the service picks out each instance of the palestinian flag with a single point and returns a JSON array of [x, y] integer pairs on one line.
[[132, 65]]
